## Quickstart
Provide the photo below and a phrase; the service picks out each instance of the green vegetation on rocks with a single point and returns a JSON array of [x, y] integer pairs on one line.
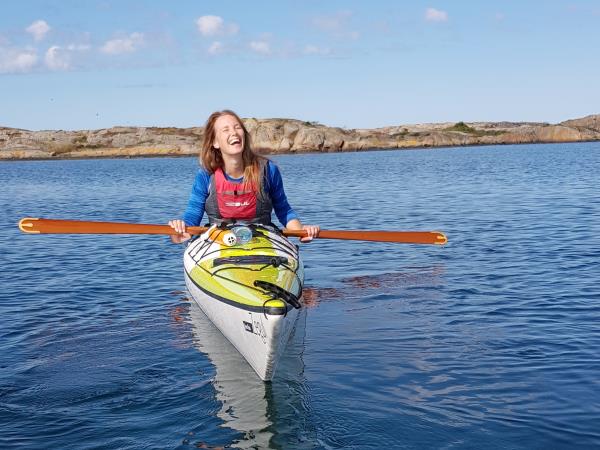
[[462, 127]]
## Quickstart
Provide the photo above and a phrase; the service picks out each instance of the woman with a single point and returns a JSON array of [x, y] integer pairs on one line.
[[234, 183]]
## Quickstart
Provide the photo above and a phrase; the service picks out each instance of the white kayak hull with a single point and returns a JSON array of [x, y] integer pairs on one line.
[[256, 323]]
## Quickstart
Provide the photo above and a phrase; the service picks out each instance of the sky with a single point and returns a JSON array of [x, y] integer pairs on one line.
[[89, 64]]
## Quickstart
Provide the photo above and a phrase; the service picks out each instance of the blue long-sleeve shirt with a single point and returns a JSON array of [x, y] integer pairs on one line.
[[273, 186]]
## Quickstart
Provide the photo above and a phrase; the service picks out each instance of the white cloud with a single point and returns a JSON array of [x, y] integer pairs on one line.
[[315, 50], [215, 48], [265, 36], [332, 23], [127, 44], [60, 58], [17, 60], [232, 28], [57, 58], [500, 16], [209, 25], [261, 47], [215, 26], [435, 15], [38, 29], [336, 24], [78, 47]]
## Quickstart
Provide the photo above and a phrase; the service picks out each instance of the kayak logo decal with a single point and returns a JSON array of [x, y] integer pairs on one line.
[[255, 326]]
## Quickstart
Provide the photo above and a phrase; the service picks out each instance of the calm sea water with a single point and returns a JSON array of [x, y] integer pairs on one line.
[[492, 341]]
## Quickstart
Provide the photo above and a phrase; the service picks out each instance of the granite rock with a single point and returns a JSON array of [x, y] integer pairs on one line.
[[272, 136]]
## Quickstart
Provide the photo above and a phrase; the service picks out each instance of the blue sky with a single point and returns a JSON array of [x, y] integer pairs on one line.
[[81, 64]]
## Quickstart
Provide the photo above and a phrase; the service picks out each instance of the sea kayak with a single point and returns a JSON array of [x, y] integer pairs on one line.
[[248, 281]]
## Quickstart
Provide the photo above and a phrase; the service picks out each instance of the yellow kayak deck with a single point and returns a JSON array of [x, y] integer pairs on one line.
[[247, 275]]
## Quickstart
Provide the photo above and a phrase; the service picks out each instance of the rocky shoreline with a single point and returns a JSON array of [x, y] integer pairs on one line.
[[278, 136]]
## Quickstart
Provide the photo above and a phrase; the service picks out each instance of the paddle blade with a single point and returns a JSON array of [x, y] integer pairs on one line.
[[52, 226], [400, 237]]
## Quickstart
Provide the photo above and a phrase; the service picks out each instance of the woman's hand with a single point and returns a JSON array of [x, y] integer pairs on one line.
[[312, 231], [179, 227]]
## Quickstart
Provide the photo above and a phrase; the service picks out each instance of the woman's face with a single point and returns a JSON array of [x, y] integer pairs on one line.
[[229, 135]]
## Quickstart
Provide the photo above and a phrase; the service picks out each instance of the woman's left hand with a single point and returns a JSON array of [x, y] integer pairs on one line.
[[312, 232]]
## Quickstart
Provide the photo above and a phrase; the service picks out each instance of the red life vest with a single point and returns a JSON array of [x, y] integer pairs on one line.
[[228, 201], [235, 200]]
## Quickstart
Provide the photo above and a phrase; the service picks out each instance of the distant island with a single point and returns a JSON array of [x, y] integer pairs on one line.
[[278, 136]]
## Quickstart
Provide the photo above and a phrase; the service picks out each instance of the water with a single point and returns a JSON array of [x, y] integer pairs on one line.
[[491, 341]]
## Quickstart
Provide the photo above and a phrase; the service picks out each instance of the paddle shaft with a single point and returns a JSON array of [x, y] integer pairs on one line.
[[400, 237], [53, 226]]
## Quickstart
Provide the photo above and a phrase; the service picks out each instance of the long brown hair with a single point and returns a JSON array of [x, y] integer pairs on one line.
[[211, 159]]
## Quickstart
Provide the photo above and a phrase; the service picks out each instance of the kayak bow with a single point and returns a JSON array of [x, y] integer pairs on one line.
[[250, 290]]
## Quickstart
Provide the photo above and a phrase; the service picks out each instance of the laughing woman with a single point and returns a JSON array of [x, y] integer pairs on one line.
[[234, 183]]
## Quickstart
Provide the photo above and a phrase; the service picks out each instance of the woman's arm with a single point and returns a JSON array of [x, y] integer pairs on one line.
[[281, 206], [284, 212], [195, 208]]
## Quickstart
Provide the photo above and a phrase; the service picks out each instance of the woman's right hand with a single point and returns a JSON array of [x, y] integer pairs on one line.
[[179, 227]]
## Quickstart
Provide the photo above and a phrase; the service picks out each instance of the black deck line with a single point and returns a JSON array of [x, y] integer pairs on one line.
[[259, 309]]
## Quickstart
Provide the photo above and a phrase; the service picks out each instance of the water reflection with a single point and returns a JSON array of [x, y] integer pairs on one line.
[[411, 276], [267, 415], [361, 287]]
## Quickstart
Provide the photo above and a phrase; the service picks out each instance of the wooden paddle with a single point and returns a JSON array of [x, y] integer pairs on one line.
[[53, 226]]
